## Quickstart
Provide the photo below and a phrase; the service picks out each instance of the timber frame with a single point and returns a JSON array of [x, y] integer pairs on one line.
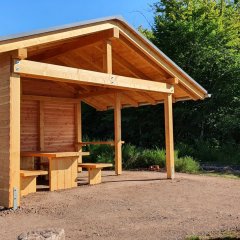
[[104, 63]]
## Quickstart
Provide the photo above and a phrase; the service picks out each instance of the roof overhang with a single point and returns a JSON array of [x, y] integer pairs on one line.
[[141, 43]]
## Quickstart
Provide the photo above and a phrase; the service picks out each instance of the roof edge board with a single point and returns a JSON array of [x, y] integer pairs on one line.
[[59, 28]]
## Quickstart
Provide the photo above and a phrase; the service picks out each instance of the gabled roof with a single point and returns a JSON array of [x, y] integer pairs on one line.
[[187, 88]]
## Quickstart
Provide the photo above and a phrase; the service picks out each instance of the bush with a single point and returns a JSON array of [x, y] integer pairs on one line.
[[186, 164], [130, 154], [100, 153], [135, 158], [149, 157]]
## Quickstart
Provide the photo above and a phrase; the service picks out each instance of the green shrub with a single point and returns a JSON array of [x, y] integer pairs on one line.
[[186, 164], [130, 154], [149, 157], [100, 153], [135, 158]]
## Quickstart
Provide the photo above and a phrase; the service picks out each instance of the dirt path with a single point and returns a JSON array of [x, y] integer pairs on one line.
[[136, 205]]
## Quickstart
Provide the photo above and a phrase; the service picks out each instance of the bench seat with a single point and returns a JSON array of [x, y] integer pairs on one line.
[[94, 171], [28, 180]]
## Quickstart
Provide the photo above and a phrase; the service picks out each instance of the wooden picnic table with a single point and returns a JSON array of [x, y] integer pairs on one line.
[[62, 167]]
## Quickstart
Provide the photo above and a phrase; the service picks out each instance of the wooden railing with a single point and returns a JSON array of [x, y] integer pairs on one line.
[[98, 143]]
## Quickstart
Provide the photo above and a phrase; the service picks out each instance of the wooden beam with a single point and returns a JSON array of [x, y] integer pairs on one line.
[[88, 40], [78, 131], [9, 133], [107, 57], [117, 135], [173, 81], [20, 53], [124, 63], [168, 115], [48, 38], [73, 75]]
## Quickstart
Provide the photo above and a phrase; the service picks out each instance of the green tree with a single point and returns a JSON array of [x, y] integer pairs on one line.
[[203, 38]]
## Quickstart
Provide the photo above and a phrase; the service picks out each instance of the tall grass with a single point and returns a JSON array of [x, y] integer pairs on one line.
[[139, 158]]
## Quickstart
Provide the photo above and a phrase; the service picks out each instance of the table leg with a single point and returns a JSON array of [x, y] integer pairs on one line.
[[63, 173], [94, 176]]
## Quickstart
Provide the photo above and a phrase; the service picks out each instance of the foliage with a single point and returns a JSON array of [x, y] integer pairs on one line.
[[139, 158], [203, 38], [187, 164]]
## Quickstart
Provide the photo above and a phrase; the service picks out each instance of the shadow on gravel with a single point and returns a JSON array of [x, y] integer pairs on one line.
[[82, 182], [137, 180]]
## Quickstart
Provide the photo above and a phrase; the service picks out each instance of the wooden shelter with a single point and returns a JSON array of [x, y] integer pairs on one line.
[[45, 75]]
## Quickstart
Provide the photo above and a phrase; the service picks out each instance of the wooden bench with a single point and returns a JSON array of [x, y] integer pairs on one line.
[[94, 171], [28, 180]]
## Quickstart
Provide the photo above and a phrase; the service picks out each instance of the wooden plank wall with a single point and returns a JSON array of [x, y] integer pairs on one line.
[[59, 126], [29, 125]]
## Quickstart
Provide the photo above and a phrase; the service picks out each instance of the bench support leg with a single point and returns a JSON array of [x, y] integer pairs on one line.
[[28, 185], [94, 176]]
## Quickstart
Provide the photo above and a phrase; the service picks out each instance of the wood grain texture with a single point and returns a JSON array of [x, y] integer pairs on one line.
[[28, 185], [117, 134], [9, 132], [63, 173], [168, 115], [29, 125], [59, 127]]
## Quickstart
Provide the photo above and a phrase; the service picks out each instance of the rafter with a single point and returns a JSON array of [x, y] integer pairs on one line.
[[129, 99], [148, 97], [98, 93], [68, 87], [95, 104], [144, 57]]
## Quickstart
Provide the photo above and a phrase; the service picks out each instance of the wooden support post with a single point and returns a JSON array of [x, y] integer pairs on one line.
[[117, 130], [78, 133], [9, 134], [107, 57], [168, 114]]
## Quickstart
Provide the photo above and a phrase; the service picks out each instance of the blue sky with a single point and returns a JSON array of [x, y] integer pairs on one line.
[[27, 15]]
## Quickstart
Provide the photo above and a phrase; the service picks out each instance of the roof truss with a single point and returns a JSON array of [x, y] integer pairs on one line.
[[53, 72]]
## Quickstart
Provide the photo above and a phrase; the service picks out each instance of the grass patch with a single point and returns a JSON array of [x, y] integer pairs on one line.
[[224, 175], [223, 235]]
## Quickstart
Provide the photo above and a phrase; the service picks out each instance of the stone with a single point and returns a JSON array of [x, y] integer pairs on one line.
[[45, 234]]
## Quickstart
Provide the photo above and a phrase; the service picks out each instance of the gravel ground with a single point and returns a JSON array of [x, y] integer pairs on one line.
[[135, 205]]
